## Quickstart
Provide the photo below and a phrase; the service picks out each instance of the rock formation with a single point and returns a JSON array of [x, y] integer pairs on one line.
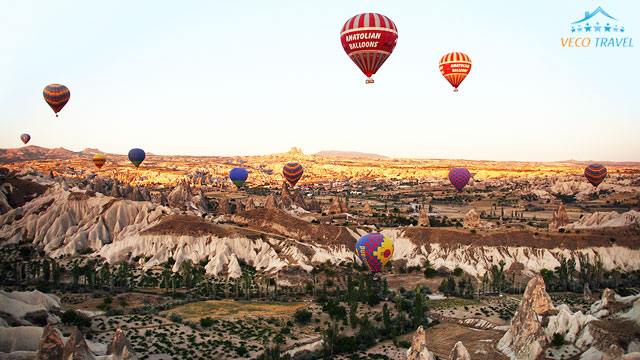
[[423, 217], [120, 348], [298, 200], [249, 204], [180, 196], [418, 349], [526, 338], [271, 202], [76, 347], [598, 220], [472, 220], [366, 209], [51, 345], [338, 206], [459, 352], [586, 292], [560, 218]]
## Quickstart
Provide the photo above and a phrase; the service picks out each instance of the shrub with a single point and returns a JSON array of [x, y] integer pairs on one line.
[[302, 316], [206, 322], [175, 318], [557, 340], [70, 317]]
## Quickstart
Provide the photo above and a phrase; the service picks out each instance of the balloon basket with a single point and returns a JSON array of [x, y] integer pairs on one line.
[[369, 81], [455, 90]]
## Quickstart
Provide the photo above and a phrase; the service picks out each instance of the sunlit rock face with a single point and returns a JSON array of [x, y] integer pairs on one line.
[[526, 338], [459, 352], [472, 220], [560, 218], [51, 345], [418, 349], [607, 220]]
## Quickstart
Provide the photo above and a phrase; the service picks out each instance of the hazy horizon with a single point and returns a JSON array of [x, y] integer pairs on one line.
[[248, 77]]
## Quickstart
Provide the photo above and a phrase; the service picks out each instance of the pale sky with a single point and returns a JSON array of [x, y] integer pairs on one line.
[[256, 77]]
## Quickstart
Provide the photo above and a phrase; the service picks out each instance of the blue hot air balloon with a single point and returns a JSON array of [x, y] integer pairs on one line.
[[136, 156], [238, 176]]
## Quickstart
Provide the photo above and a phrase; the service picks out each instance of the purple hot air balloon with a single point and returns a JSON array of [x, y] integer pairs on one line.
[[25, 138], [459, 177]]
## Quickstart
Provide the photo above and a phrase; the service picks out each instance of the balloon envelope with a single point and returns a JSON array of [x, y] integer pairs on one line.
[[455, 67], [136, 156], [56, 96], [595, 174], [292, 172], [459, 177], [99, 160], [238, 176], [25, 138], [375, 250], [369, 39]]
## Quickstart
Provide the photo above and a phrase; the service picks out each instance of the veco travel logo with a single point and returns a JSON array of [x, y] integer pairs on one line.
[[597, 29]]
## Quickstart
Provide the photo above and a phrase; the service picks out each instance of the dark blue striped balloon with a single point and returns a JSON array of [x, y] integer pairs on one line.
[[136, 156]]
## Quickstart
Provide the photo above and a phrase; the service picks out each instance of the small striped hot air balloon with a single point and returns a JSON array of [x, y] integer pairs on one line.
[[292, 172], [99, 160], [238, 176], [25, 138], [137, 156], [455, 66], [375, 250], [459, 177], [595, 174], [56, 96], [369, 40]]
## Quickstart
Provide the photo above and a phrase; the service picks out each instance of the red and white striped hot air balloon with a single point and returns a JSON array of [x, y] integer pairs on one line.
[[369, 39], [455, 66]]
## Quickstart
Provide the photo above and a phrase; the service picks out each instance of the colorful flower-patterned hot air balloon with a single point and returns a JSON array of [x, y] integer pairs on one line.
[[595, 174], [99, 160], [455, 67], [136, 156], [25, 138], [56, 96], [292, 173], [375, 250], [369, 39], [459, 177], [238, 176]]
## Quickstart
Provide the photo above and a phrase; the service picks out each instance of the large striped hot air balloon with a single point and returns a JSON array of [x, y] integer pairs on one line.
[[455, 67], [595, 174], [25, 138], [292, 172], [56, 96], [238, 176], [136, 156], [375, 250], [99, 160], [369, 39], [459, 177]]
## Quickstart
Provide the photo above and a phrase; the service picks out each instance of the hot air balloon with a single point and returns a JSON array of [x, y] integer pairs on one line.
[[292, 173], [459, 177], [595, 174], [25, 138], [56, 96], [238, 176], [369, 39], [136, 156], [375, 250], [99, 160], [455, 67]]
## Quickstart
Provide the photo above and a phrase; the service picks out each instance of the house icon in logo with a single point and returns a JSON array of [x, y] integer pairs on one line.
[[597, 21]]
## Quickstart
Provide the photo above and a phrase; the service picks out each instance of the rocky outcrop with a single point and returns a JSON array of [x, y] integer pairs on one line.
[[418, 349], [181, 195], [525, 339], [298, 200], [606, 220], [366, 209], [338, 206], [249, 204], [28, 307], [76, 347], [560, 218], [459, 352], [51, 346], [423, 217], [271, 202], [120, 348], [472, 220]]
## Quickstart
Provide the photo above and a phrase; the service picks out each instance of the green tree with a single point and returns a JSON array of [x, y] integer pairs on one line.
[[417, 314], [353, 314]]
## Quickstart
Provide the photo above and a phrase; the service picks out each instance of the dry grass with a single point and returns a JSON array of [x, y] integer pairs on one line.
[[227, 308]]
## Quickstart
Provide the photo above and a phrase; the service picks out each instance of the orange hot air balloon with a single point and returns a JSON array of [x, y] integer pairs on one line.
[[99, 160], [56, 96], [455, 67]]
